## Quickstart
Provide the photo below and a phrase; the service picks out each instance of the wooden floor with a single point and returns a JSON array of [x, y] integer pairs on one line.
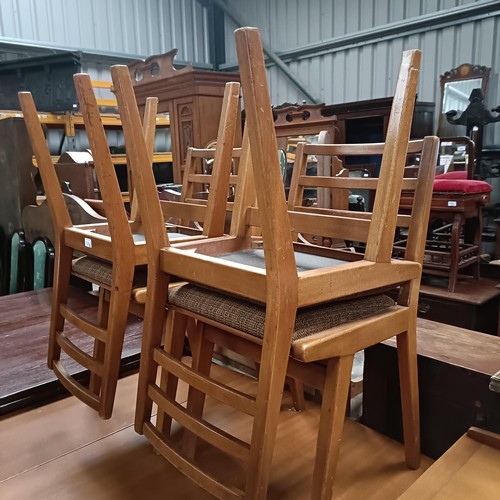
[[64, 451], [24, 326]]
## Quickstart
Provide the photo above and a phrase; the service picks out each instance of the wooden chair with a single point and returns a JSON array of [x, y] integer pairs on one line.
[[87, 252], [249, 291], [117, 269], [196, 183]]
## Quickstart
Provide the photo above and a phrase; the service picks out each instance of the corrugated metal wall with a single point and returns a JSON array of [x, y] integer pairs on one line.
[[341, 50], [135, 27], [349, 50]]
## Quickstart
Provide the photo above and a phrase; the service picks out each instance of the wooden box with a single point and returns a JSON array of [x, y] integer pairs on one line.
[[455, 367]]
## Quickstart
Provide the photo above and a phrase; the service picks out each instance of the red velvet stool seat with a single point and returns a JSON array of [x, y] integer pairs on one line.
[[455, 225]]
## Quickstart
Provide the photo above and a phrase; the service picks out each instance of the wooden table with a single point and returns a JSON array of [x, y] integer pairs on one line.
[[469, 469]]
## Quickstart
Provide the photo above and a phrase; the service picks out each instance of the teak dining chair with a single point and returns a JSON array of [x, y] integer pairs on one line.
[[87, 252], [289, 309]]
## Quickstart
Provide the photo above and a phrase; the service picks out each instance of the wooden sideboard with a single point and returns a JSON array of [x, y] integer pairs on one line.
[[366, 121]]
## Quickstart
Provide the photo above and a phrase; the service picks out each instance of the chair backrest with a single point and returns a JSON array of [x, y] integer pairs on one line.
[[197, 182], [350, 225], [276, 226], [212, 214], [114, 207]]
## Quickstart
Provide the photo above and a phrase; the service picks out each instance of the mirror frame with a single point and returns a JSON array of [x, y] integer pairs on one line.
[[465, 71]]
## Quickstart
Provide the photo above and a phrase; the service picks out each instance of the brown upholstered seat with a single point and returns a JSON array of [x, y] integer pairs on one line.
[[249, 317]]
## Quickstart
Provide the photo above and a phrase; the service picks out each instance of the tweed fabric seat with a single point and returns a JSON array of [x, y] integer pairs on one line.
[[249, 317], [100, 272]]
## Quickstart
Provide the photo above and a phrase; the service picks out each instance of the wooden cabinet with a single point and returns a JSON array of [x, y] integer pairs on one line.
[[193, 99]]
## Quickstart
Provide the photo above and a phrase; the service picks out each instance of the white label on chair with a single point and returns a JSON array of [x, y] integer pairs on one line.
[[88, 243], [452, 203]]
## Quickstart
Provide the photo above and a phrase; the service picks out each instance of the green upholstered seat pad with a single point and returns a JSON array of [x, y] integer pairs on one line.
[[100, 272], [249, 317], [304, 261]]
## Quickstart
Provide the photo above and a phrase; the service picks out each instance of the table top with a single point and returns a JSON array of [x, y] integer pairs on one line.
[[469, 469], [467, 290], [475, 351]]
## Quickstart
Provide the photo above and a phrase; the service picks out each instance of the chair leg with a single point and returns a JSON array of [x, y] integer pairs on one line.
[[151, 338], [296, 387], [272, 372], [175, 333], [331, 424], [117, 324], [60, 288], [408, 376], [99, 347], [454, 251], [202, 351]]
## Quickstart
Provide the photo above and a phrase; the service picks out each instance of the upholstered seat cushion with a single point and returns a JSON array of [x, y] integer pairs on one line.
[[457, 182], [100, 272], [249, 317]]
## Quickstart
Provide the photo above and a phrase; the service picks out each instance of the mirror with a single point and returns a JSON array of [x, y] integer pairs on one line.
[[456, 94], [456, 87]]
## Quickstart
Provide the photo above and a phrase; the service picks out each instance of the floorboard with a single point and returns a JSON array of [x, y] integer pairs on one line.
[[25, 379], [64, 451]]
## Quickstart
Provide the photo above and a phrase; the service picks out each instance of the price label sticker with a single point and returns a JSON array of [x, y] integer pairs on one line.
[[88, 243]]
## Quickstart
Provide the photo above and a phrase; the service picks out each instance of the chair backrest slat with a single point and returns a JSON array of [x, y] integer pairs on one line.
[[108, 182], [385, 209], [277, 240], [149, 129]]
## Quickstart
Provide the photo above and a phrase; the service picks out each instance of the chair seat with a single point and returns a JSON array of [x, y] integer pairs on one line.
[[304, 261], [100, 272], [249, 317]]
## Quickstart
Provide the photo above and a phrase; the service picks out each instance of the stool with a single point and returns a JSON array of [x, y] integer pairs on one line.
[[454, 245]]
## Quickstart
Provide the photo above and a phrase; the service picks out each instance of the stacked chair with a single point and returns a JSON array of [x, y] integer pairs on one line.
[[304, 310], [110, 255]]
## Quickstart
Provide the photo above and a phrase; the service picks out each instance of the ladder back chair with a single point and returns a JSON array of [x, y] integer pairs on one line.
[[287, 308], [195, 176], [86, 251]]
